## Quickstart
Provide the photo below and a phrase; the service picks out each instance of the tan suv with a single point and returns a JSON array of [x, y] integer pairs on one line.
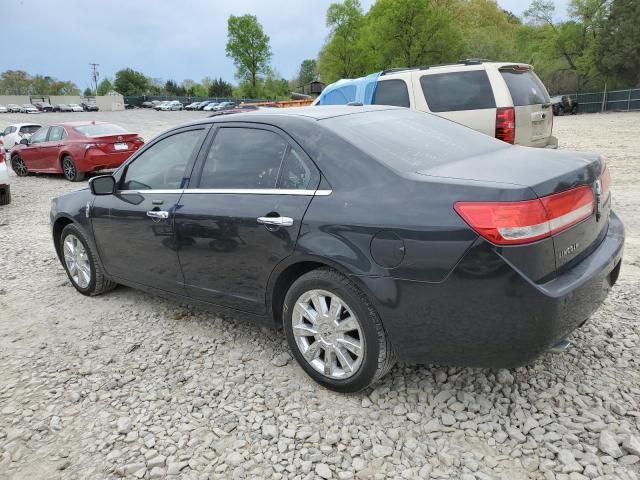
[[504, 100]]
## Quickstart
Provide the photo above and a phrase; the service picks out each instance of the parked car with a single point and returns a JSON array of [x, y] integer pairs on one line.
[[28, 108], [3, 109], [90, 107], [173, 105], [128, 106], [159, 105], [5, 184], [62, 107], [210, 106], [440, 245], [75, 107], [14, 133], [74, 149], [13, 108], [147, 105], [224, 106], [43, 106], [504, 100], [204, 104], [562, 104], [192, 106]]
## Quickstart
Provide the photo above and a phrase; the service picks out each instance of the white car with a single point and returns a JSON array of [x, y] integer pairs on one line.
[[14, 133], [173, 105], [28, 108], [5, 187], [3, 109], [13, 108], [505, 100], [210, 107], [75, 107]]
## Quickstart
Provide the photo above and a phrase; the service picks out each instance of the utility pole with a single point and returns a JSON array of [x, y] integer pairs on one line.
[[95, 75]]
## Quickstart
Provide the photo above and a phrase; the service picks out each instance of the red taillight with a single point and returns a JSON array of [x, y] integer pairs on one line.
[[506, 124], [510, 223]]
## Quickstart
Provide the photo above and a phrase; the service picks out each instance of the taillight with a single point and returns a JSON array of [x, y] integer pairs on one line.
[[506, 124], [512, 223]]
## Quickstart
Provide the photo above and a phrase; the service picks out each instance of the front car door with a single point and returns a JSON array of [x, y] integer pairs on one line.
[[134, 228], [50, 149], [241, 214], [32, 154]]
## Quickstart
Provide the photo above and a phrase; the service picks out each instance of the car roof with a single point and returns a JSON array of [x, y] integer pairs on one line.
[[79, 123], [18, 125]]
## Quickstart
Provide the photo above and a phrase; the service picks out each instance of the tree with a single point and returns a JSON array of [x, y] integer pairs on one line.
[[172, 88], [88, 92], [248, 46], [130, 82], [188, 86], [105, 86], [618, 49], [220, 88], [308, 72], [342, 55], [15, 82]]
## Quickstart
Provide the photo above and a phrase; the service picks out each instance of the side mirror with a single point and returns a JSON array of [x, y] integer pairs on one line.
[[102, 185], [24, 141]]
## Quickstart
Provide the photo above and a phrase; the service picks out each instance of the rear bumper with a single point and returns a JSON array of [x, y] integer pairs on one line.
[[97, 160], [493, 316]]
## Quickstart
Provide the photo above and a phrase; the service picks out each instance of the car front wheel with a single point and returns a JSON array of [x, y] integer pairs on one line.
[[335, 333], [18, 166]]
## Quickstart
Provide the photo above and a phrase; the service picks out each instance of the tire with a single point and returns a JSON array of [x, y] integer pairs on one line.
[[18, 166], [376, 353], [70, 171], [560, 111], [5, 195], [96, 283]]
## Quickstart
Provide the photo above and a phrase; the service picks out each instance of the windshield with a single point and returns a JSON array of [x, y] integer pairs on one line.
[[410, 141], [99, 129]]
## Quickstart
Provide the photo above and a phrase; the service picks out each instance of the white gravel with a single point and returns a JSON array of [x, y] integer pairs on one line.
[[130, 385]]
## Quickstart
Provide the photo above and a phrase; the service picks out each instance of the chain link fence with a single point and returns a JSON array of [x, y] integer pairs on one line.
[[611, 101]]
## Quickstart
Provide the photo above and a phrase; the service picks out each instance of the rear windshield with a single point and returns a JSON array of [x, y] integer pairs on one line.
[[99, 129], [410, 141], [525, 87], [30, 129], [455, 91]]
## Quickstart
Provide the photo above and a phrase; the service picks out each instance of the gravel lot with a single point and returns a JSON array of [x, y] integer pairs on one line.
[[130, 385]]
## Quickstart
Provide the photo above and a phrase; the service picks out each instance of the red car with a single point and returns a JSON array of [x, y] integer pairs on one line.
[[74, 149]]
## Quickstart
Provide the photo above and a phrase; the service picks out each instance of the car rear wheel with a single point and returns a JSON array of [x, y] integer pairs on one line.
[[80, 263], [18, 166], [70, 170], [334, 332]]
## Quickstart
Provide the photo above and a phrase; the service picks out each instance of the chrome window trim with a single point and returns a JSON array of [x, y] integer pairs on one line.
[[247, 191]]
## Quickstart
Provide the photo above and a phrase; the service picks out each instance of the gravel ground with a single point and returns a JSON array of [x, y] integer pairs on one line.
[[130, 385]]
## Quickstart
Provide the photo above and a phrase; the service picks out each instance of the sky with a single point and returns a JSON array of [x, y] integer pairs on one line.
[[165, 39]]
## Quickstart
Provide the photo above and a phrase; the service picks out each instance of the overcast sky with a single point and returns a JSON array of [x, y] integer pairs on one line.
[[165, 39]]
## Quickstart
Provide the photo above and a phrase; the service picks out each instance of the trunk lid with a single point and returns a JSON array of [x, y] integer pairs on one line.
[[117, 143]]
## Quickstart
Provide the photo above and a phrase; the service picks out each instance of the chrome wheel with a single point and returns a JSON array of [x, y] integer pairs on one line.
[[68, 168], [77, 261], [328, 334], [18, 166]]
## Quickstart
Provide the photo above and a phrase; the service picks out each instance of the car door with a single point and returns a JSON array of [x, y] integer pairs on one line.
[[32, 153], [241, 214], [134, 228], [49, 158]]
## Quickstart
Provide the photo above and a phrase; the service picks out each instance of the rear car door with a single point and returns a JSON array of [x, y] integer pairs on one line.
[[464, 96], [242, 215], [134, 228], [533, 109]]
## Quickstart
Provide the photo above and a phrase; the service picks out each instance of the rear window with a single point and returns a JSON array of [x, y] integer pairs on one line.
[[455, 91], [410, 141], [391, 92], [29, 129], [525, 87], [99, 129]]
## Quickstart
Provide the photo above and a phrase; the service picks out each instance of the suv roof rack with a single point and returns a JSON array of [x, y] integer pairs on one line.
[[466, 61]]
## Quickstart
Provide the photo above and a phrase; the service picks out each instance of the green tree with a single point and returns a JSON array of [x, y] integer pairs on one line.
[[105, 86], [618, 49], [188, 86], [130, 82], [88, 92], [308, 72], [220, 88], [15, 82], [172, 88], [248, 46], [342, 55]]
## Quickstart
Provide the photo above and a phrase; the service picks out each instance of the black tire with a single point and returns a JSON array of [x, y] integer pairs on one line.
[[70, 171], [98, 283], [18, 166], [5, 195], [378, 356], [560, 111]]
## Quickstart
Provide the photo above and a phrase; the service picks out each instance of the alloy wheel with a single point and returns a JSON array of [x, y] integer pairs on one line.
[[328, 334], [19, 167], [77, 261], [69, 168]]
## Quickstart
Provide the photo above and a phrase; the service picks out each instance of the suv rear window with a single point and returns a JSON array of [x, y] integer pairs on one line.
[[391, 92], [525, 87], [99, 129], [455, 91]]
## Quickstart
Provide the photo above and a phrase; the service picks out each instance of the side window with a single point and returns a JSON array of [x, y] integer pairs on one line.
[[9, 130], [392, 92], [163, 164], [40, 136], [243, 158], [57, 133], [297, 173], [452, 92]]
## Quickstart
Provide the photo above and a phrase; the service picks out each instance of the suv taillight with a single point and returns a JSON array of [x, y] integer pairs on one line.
[[506, 124], [512, 223]]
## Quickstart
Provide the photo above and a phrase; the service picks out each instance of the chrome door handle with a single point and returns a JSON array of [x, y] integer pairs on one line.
[[276, 221], [158, 214]]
